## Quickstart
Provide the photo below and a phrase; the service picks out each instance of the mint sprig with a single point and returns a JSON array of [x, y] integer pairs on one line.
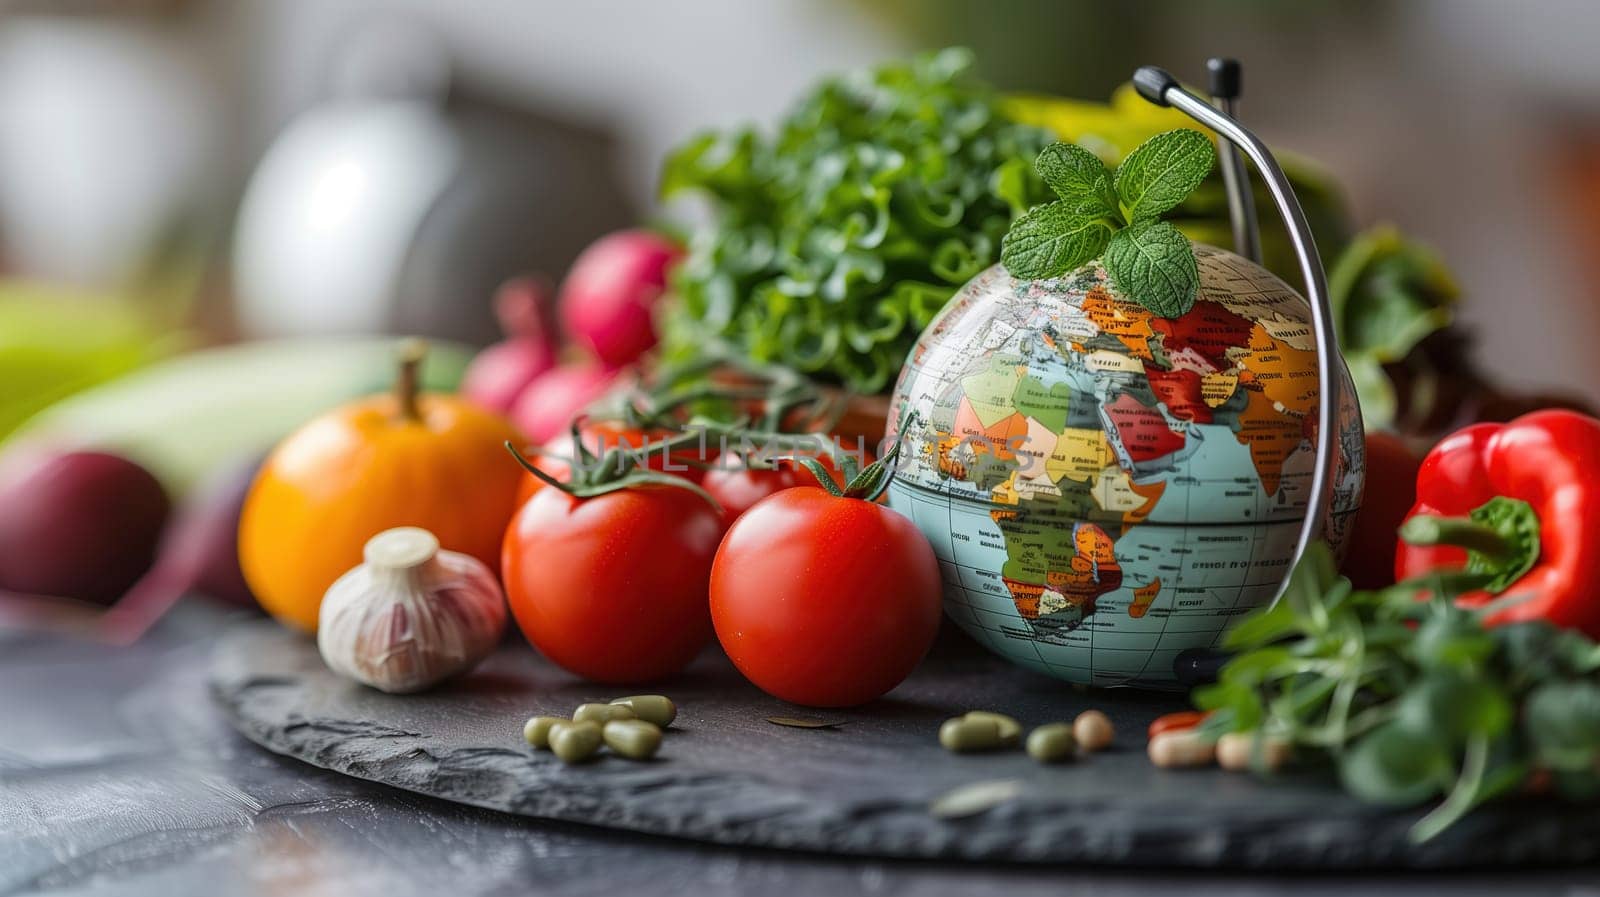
[[1116, 219]]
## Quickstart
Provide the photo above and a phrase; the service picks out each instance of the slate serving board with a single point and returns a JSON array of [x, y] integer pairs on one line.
[[726, 776]]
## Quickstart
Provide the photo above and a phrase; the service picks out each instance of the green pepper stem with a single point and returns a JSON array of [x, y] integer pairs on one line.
[[1461, 532], [1501, 537]]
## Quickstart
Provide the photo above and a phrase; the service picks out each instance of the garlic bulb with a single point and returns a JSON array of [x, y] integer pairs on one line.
[[411, 615]]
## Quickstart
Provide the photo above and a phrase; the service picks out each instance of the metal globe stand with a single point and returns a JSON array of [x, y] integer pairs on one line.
[[1161, 88]]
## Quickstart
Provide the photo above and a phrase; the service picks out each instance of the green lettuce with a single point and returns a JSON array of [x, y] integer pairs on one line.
[[836, 239]]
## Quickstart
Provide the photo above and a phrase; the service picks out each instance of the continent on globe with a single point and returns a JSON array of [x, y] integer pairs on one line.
[[1058, 570], [1142, 429], [1143, 597]]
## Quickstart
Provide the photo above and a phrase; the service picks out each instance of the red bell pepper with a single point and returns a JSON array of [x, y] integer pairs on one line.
[[1514, 509]]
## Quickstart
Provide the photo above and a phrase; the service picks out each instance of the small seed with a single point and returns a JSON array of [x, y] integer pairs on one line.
[[805, 722], [537, 730], [600, 714], [574, 742], [657, 709], [966, 735], [1236, 751], [1010, 729], [1052, 743], [970, 800], [1171, 750], [635, 739], [1093, 730]]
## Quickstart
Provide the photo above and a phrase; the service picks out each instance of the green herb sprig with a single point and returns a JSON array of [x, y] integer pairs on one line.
[[1413, 700], [1117, 219]]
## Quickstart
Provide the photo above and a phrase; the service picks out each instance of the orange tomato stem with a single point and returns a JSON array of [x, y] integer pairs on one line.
[[407, 384]]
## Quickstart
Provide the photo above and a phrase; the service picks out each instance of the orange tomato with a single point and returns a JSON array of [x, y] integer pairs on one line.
[[432, 461]]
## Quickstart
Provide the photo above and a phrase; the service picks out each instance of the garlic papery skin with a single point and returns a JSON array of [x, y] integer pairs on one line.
[[411, 615]]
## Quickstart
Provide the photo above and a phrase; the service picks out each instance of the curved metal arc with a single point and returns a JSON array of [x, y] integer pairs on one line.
[[1320, 501]]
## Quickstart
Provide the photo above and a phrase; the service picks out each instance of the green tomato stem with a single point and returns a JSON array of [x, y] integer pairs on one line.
[[608, 477]]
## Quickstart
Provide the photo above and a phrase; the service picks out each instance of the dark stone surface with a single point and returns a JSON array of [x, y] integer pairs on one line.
[[726, 776], [118, 778]]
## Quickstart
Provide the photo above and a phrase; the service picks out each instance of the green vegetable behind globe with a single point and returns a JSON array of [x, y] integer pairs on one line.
[[837, 238], [834, 240]]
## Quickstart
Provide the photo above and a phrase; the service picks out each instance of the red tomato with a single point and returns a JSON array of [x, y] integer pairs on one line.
[[1391, 490], [613, 588], [737, 487], [822, 600]]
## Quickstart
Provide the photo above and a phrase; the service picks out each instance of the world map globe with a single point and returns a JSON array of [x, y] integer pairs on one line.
[[1106, 488]]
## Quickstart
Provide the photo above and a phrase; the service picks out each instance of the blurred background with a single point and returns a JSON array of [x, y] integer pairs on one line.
[[185, 173]]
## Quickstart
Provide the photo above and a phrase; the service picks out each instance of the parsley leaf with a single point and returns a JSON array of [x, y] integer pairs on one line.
[[1162, 171], [1153, 264]]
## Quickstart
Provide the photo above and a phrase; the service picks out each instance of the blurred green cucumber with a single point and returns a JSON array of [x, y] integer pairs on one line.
[[56, 341], [183, 417]]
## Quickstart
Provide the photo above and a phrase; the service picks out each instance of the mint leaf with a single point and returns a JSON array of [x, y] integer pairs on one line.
[[1153, 264], [1079, 178], [1051, 240], [1162, 171]]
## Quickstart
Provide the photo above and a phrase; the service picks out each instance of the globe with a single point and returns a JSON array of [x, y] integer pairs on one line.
[[1106, 488]]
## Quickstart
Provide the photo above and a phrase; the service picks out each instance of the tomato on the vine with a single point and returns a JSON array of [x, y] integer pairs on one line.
[[608, 577], [737, 485], [600, 436], [823, 597], [552, 461]]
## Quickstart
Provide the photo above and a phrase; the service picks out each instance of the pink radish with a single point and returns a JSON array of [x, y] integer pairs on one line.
[[499, 373], [525, 308], [608, 299], [546, 408]]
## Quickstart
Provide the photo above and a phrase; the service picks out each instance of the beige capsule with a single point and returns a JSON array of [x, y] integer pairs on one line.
[[1010, 729], [635, 739], [966, 735], [657, 709], [536, 731], [600, 714], [575, 742], [1171, 750], [1237, 751], [1093, 730], [1052, 743]]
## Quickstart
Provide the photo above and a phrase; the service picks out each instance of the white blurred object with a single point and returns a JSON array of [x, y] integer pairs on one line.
[[108, 133], [400, 202], [331, 213]]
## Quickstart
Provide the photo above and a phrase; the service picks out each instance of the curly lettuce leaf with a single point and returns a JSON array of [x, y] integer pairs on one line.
[[837, 236]]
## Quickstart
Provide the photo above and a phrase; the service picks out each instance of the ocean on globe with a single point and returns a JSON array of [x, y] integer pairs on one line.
[[1106, 488]]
